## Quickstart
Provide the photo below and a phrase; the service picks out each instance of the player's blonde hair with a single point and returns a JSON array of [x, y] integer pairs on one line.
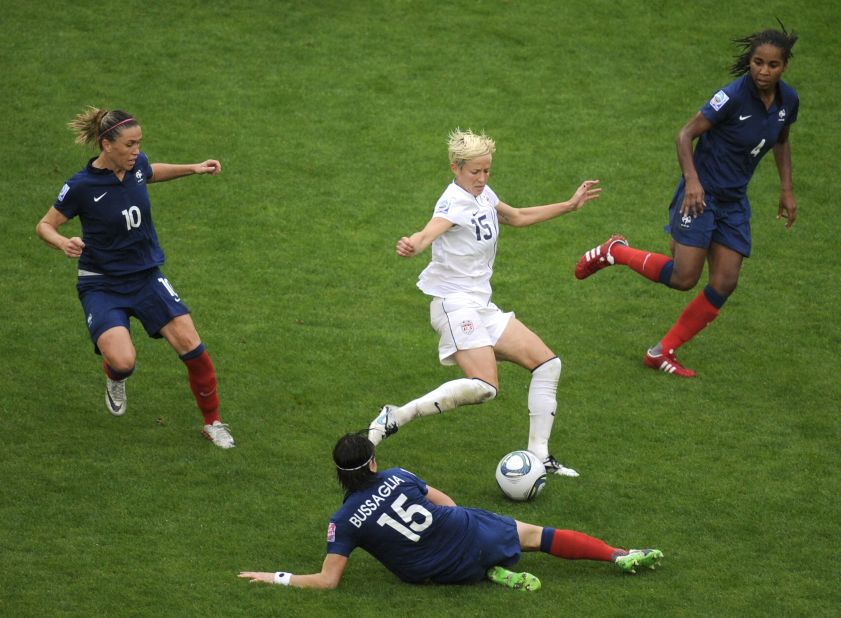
[[463, 146], [94, 124]]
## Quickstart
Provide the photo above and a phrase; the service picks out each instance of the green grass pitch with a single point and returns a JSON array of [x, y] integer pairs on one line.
[[330, 119]]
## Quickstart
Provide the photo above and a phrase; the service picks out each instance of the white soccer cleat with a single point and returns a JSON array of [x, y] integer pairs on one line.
[[553, 467], [115, 396], [218, 434], [384, 425]]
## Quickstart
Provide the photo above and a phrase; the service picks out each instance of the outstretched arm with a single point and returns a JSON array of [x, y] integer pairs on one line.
[[327, 579], [419, 241], [168, 171], [782, 156], [521, 217]]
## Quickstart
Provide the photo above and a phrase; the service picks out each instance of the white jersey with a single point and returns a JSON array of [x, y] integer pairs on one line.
[[463, 256]]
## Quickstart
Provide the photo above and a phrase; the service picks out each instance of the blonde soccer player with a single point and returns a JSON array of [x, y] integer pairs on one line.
[[473, 332]]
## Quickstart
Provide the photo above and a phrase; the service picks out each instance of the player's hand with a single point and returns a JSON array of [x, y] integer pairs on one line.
[[693, 200], [586, 192], [787, 209], [404, 247], [211, 166], [257, 576], [73, 247]]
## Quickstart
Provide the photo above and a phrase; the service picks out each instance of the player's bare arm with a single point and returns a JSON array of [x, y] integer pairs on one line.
[[782, 157], [417, 243], [47, 229], [522, 217], [436, 496], [331, 574], [693, 198], [169, 171]]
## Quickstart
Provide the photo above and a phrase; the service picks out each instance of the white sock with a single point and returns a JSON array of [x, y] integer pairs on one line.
[[450, 395], [542, 405]]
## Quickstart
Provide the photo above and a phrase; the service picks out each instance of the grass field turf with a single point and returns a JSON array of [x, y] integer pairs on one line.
[[330, 120]]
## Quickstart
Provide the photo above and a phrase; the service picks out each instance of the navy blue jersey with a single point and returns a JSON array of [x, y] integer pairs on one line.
[[116, 217], [393, 520], [742, 132]]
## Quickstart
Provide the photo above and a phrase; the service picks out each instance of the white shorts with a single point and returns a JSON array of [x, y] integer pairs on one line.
[[462, 323]]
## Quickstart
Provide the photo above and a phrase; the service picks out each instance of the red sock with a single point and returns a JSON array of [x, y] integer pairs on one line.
[[645, 263], [694, 318], [574, 545], [203, 384]]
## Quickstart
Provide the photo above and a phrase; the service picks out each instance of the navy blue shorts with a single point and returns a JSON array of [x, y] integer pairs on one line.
[[109, 302], [496, 542], [726, 223]]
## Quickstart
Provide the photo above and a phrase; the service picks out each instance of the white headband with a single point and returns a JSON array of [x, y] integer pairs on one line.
[[357, 467]]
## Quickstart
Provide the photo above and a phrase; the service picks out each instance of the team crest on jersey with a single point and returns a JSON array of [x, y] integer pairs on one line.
[[685, 222], [467, 327], [443, 206], [782, 115], [331, 532], [718, 100], [139, 175], [63, 191]]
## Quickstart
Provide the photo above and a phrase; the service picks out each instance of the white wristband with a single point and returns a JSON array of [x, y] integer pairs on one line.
[[282, 578]]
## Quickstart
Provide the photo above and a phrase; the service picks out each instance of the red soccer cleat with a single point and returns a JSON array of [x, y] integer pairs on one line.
[[668, 363], [597, 257]]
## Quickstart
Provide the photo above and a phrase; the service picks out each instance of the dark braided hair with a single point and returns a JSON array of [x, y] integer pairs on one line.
[[352, 454], [778, 38]]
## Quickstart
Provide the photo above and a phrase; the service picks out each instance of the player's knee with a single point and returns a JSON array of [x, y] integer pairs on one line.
[[683, 282], [724, 285], [119, 371], [122, 363], [549, 370], [685, 276], [486, 391], [476, 391]]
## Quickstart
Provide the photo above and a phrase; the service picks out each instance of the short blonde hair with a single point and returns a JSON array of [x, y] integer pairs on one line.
[[463, 146]]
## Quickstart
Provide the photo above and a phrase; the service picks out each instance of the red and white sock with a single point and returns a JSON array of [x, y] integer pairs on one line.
[[649, 265], [694, 318], [573, 545], [202, 376]]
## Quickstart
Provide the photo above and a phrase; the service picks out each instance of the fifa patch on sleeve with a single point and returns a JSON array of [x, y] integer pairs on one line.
[[331, 532], [718, 100], [63, 191], [443, 206]]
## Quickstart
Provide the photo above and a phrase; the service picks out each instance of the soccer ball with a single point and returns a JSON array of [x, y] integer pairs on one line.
[[521, 475]]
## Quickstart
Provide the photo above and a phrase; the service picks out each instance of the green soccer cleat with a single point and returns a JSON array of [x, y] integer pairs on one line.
[[646, 558], [515, 581]]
